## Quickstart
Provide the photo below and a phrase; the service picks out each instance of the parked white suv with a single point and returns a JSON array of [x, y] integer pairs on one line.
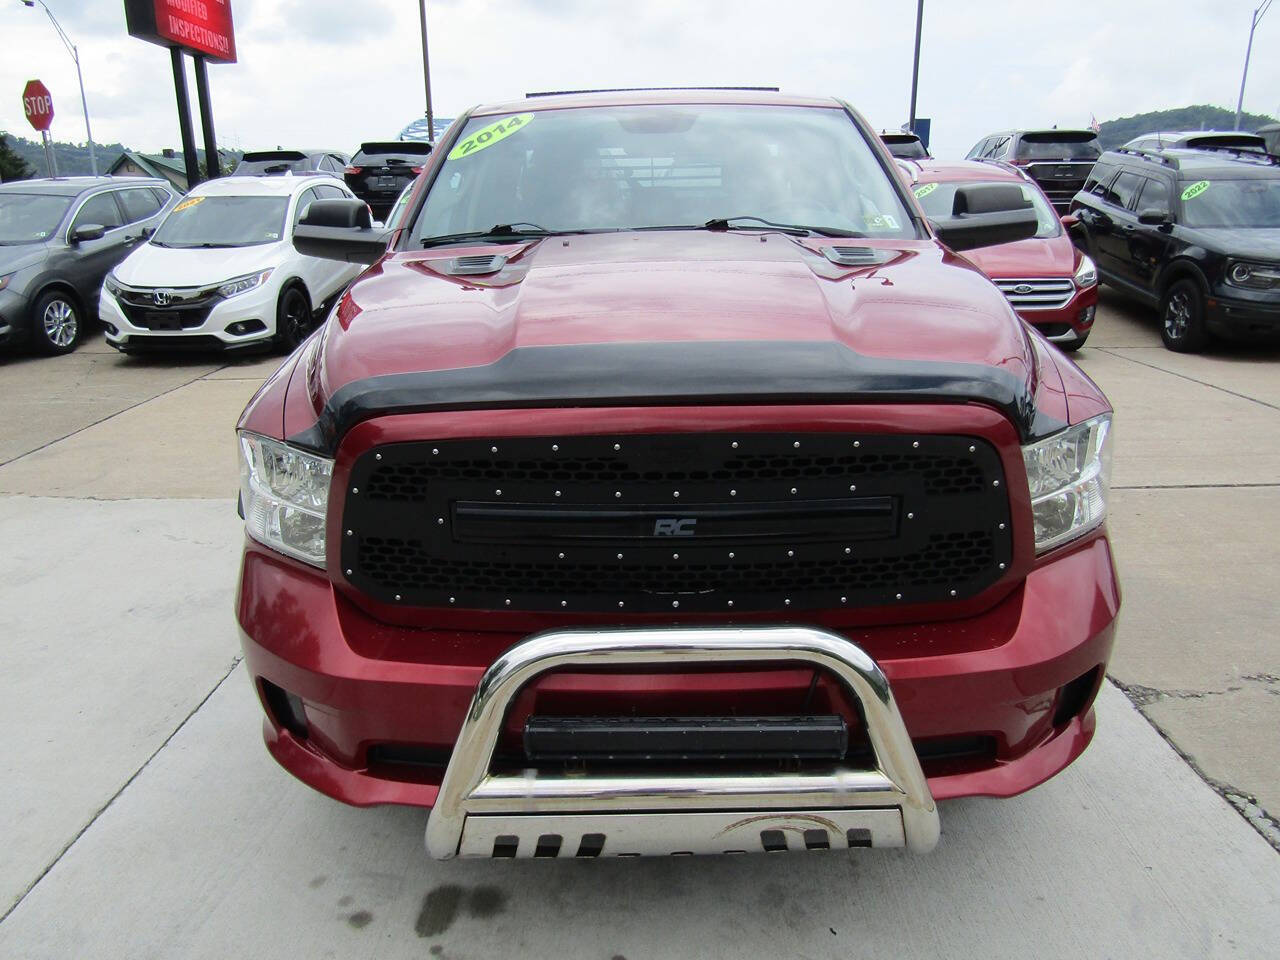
[[221, 271]]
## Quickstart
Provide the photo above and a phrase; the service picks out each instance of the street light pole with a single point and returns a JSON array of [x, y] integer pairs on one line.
[[426, 70], [915, 67], [75, 55], [1258, 14]]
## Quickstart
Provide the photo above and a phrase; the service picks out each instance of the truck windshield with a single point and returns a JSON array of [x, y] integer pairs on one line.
[[937, 199], [1232, 203], [626, 168], [30, 217], [223, 222]]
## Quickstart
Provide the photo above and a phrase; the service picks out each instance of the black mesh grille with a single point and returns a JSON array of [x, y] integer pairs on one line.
[[594, 528]]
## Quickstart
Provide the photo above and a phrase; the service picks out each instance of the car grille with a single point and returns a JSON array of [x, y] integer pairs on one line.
[[1060, 181], [1038, 294], [166, 308], [687, 522]]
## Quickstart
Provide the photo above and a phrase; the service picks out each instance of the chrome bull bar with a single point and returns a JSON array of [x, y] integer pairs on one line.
[[565, 814]]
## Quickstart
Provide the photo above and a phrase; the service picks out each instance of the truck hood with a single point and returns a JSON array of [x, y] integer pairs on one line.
[[1035, 258], [152, 266], [645, 317]]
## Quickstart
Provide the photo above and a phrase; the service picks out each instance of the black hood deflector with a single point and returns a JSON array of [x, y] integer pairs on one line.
[[672, 374]]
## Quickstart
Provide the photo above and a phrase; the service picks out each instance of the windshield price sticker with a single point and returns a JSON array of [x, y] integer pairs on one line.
[[185, 204], [488, 136], [1197, 188], [880, 221], [924, 190]]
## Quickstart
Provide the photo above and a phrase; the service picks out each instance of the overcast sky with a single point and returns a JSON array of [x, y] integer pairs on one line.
[[332, 73]]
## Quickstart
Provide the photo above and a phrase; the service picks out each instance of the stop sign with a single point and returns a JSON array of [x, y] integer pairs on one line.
[[37, 103]]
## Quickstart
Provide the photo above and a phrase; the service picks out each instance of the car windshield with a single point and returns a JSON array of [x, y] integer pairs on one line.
[[223, 222], [937, 199], [1231, 203], [1041, 148], [30, 217], [625, 168]]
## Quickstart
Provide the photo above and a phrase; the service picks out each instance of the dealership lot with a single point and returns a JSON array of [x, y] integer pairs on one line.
[[152, 822]]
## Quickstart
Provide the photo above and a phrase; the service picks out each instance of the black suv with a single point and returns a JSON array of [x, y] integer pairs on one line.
[[58, 239], [380, 171], [1196, 233], [1058, 160]]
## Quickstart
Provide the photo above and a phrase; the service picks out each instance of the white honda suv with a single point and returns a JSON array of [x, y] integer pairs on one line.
[[221, 272]]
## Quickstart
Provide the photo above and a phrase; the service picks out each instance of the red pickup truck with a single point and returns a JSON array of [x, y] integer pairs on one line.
[[668, 485]]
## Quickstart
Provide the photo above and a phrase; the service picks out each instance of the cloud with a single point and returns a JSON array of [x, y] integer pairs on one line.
[[336, 72]]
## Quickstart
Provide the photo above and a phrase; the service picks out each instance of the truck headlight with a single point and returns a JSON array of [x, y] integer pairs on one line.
[[1070, 477], [284, 493], [1255, 276], [239, 285], [1086, 274]]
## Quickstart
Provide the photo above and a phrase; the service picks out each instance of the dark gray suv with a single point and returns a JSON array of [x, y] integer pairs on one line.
[[58, 239]]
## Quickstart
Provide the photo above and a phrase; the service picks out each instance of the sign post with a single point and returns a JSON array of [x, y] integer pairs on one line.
[[37, 104], [206, 31]]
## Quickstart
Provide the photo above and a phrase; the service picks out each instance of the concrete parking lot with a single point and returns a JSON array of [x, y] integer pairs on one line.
[[143, 817]]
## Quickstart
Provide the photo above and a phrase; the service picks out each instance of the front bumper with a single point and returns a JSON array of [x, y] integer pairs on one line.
[[15, 315], [1069, 323], [1019, 677], [1255, 315], [256, 308]]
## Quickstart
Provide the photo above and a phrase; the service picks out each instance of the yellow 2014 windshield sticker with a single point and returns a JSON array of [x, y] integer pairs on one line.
[[488, 136], [1197, 188], [187, 204], [924, 190]]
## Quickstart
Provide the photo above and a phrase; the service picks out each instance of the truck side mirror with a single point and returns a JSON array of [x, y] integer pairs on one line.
[[985, 215], [340, 229]]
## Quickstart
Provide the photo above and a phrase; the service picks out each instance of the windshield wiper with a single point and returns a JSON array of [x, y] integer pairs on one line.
[[796, 229], [500, 232]]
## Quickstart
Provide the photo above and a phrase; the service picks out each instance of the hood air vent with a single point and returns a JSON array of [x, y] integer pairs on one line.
[[474, 266], [857, 256]]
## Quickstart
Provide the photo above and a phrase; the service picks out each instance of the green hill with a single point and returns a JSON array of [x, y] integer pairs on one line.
[[72, 158], [1114, 133]]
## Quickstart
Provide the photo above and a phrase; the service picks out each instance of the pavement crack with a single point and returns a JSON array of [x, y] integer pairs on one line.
[[66, 436], [1246, 804], [1183, 376], [125, 786]]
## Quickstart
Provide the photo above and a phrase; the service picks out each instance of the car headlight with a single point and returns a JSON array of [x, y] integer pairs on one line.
[[111, 283], [1070, 477], [239, 285], [4, 280], [1255, 276], [1086, 274], [284, 493]]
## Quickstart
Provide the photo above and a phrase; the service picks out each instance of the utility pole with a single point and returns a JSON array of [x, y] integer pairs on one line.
[[1258, 14], [426, 70], [75, 55], [915, 67]]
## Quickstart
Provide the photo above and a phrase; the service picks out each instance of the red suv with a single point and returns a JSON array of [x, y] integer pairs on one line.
[[666, 485], [1052, 285]]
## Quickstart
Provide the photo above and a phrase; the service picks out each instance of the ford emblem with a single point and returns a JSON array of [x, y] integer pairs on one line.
[[1023, 288]]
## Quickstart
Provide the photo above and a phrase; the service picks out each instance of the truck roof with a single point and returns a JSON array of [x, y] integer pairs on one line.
[[620, 98]]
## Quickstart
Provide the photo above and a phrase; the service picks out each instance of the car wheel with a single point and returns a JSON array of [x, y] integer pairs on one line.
[[1182, 317], [293, 318], [56, 325]]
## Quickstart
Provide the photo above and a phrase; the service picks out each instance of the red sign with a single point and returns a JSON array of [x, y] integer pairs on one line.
[[198, 26], [37, 104]]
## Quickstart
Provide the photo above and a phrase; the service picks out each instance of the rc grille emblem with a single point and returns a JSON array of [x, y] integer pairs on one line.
[[161, 298], [1023, 288], [674, 526]]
